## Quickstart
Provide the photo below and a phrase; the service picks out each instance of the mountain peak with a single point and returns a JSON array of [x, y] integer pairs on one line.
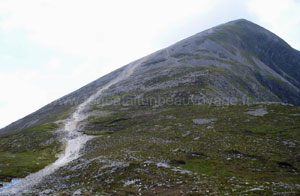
[[155, 119], [240, 21], [244, 25]]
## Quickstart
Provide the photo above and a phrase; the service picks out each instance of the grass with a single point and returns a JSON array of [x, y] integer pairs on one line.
[[226, 37], [19, 165], [156, 61], [29, 150], [237, 153], [180, 55], [221, 58]]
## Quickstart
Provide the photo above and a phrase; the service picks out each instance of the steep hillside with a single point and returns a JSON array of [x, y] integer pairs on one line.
[[216, 113]]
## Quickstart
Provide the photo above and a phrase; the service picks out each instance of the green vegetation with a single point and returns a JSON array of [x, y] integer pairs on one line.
[[106, 125], [180, 55], [19, 165], [203, 50], [222, 58], [29, 150], [235, 154], [157, 80], [156, 61], [227, 37], [278, 87]]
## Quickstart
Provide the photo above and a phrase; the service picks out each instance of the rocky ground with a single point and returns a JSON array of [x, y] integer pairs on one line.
[[214, 114], [190, 150]]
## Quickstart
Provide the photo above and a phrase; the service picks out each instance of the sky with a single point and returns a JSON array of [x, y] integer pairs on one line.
[[49, 48]]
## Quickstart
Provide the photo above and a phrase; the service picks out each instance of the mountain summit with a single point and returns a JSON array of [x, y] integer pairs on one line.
[[214, 113], [250, 60]]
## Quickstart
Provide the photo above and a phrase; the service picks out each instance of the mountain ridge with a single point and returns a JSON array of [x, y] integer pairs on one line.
[[212, 114], [207, 34]]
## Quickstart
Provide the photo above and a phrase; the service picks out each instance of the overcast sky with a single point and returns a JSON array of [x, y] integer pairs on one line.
[[49, 48]]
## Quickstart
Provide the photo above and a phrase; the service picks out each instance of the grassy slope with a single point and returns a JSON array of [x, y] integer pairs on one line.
[[29, 150], [237, 153]]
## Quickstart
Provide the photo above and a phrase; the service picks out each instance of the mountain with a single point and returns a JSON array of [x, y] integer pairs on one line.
[[216, 113]]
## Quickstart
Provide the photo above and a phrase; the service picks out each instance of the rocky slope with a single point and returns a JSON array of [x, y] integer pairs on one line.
[[193, 118]]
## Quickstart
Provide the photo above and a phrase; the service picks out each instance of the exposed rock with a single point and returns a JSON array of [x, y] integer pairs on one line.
[[77, 192], [217, 67], [186, 134], [199, 121], [258, 112], [46, 192]]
